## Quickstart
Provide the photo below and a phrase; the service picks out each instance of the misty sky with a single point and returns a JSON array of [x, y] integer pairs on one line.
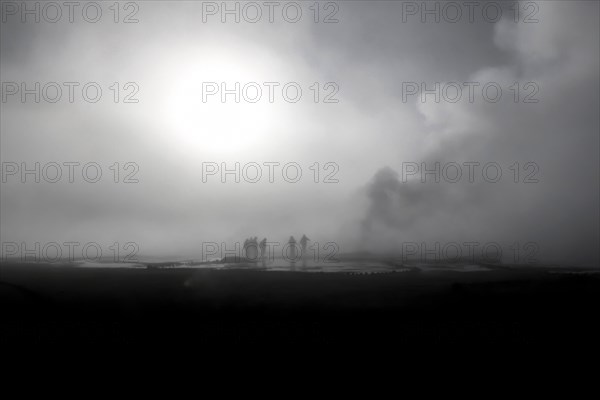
[[369, 133]]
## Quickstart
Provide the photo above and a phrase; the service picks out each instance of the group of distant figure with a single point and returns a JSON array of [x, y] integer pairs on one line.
[[252, 248]]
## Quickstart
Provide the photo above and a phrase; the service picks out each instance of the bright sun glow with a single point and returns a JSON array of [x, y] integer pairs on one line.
[[222, 129]]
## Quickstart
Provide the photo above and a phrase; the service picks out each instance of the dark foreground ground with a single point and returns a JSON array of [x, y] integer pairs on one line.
[[62, 304]]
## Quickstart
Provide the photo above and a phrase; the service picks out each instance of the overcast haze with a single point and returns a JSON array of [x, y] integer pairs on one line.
[[369, 133]]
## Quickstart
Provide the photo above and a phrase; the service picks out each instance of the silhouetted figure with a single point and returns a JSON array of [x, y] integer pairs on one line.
[[263, 249], [304, 242], [245, 250], [292, 252], [251, 249]]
